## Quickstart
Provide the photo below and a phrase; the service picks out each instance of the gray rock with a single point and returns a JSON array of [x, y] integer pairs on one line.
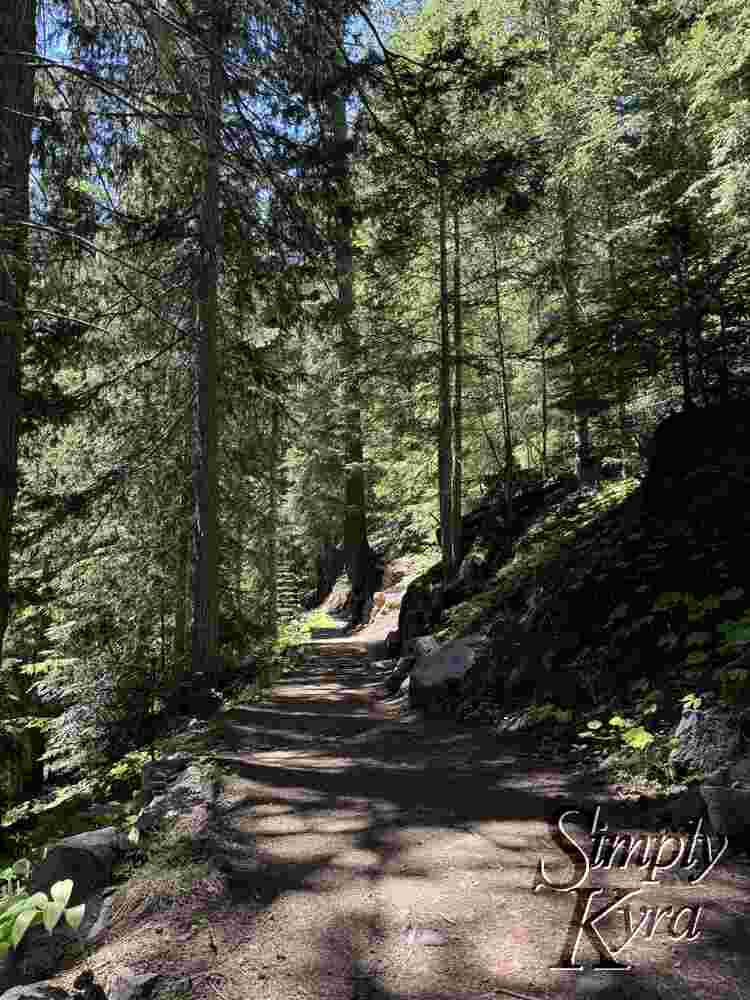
[[87, 858], [515, 723], [605, 985], [728, 809], [425, 646], [473, 570], [440, 673], [738, 772], [708, 739], [35, 991], [158, 774], [136, 988], [191, 788], [400, 674], [383, 664], [687, 807]]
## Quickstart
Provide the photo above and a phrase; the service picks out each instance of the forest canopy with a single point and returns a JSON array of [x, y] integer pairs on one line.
[[284, 277]]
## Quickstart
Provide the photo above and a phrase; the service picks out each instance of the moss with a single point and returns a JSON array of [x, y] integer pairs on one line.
[[469, 616]]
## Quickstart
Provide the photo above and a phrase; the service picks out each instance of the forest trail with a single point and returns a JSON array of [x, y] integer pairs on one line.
[[366, 853], [395, 857]]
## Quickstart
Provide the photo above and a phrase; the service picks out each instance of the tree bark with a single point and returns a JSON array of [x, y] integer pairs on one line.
[[458, 344], [18, 48], [359, 557], [445, 456], [182, 562], [584, 466], [507, 428], [205, 416], [273, 523]]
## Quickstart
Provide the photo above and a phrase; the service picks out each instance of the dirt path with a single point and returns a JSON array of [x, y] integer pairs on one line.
[[396, 858], [370, 854]]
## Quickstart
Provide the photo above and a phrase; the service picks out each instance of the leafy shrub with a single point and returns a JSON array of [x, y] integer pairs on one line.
[[635, 749], [18, 910]]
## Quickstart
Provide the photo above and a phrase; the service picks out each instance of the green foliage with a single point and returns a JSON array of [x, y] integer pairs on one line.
[[19, 910], [179, 858], [123, 778], [735, 633], [549, 712], [636, 748]]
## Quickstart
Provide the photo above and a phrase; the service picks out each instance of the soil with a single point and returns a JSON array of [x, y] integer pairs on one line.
[[362, 851]]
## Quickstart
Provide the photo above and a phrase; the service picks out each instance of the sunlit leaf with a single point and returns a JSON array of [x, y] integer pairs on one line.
[[74, 916], [61, 891]]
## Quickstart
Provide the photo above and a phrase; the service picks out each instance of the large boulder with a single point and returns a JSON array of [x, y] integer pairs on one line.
[[87, 858], [172, 796], [708, 739], [421, 606], [714, 439], [726, 793], [147, 986], [438, 673]]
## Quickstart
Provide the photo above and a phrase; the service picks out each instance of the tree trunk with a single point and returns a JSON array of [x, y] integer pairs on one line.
[[507, 429], [179, 641], [359, 557], [18, 46], [205, 417], [585, 470], [458, 344], [445, 456], [273, 524]]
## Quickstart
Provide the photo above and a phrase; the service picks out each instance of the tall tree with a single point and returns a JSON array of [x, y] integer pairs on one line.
[[17, 54], [359, 556], [205, 416]]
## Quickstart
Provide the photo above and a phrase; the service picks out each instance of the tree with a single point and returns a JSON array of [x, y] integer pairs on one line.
[[17, 53], [205, 416]]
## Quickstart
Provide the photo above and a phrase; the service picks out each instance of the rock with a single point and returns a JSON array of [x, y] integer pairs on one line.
[[424, 646], [421, 606], [708, 738], [379, 665], [190, 789], [401, 672], [713, 438], [737, 772], [89, 988], [156, 775], [728, 809], [87, 858], [515, 722], [686, 808], [437, 674], [137, 987], [473, 571], [35, 991], [393, 642]]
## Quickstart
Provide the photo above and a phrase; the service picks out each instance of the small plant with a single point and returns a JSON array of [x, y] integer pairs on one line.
[[124, 777], [636, 751], [18, 911], [550, 713], [692, 702]]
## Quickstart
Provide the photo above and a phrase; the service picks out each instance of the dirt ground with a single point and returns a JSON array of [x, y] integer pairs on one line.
[[368, 853]]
